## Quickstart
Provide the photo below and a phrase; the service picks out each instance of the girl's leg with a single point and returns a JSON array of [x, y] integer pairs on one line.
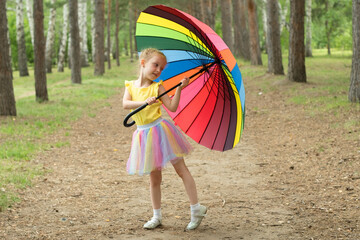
[[155, 188], [188, 180], [155, 193], [197, 211]]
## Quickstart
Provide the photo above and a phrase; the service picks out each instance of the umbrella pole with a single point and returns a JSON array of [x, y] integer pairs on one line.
[[204, 68]]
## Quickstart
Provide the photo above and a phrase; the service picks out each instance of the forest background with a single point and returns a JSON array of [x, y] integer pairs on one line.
[[331, 24]]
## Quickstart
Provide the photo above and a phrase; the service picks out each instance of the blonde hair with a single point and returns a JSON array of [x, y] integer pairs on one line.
[[148, 53]]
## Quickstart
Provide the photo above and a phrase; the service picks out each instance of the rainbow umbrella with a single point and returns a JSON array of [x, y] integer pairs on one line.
[[212, 107]]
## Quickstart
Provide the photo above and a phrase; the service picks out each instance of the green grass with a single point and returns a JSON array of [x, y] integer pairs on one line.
[[328, 81], [326, 90], [22, 137]]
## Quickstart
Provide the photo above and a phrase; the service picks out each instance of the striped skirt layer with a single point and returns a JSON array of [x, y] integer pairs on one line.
[[154, 145]]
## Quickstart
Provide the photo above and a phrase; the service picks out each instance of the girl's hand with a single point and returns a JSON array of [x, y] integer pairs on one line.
[[184, 82], [151, 100]]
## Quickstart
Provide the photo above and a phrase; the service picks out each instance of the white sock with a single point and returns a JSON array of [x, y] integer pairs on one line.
[[157, 213], [194, 209]]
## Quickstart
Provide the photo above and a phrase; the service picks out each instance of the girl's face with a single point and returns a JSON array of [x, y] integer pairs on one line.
[[153, 67]]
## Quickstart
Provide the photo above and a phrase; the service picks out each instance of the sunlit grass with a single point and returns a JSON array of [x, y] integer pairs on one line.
[[326, 90], [328, 81]]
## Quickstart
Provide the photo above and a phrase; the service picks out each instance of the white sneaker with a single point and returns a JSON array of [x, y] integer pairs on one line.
[[153, 223], [198, 218]]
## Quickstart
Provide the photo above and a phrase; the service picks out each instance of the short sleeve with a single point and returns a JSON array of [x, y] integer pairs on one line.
[[128, 85], [157, 86], [160, 83]]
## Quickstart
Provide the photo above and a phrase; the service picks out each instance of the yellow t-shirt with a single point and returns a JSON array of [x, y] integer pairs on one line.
[[151, 112]]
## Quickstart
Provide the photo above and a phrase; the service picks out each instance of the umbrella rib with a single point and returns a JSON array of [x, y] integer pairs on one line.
[[181, 20], [231, 113], [223, 95], [190, 54], [195, 43], [191, 39], [212, 114], [189, 46], [232, 78], [222, 117], [188, 76], [204, 62], [174, 30], [193, 82], [193, 74], [199, 110]]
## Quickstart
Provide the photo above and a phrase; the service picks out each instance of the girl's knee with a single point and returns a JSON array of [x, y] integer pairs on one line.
[[155, 178], [182, 171]]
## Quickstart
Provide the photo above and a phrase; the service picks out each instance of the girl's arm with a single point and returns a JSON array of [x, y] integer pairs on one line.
[[129, 104], [172, 104]]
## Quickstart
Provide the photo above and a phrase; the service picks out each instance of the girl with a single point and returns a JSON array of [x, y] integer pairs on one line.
[[157, 141]]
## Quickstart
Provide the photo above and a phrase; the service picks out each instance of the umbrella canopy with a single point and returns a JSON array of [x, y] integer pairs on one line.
[[212, 107]]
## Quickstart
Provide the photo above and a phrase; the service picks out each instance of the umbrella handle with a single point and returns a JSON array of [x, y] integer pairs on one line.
[[126, 119]]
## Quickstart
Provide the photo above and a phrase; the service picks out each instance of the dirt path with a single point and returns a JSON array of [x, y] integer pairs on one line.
[[270, 186], [87, 193]]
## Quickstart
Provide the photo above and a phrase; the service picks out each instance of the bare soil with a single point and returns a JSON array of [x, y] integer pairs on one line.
[[292, 176]]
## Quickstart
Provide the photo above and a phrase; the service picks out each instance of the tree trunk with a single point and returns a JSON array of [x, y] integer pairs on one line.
[[113, 47], [226, 23], [283, 13], [99, 61], [237, 29], [308, 49], [83, 33], [255, 53], [39, 49], [61, 61], [75, 42], [211, 12], [327, 30], [135, 16], [30, 15], [354, 91], [9, 42], [20, 37], [241, 35], [297, 71], [50, 38], [130, 32], [93, 32], [194, 8], [117, 34], [189, 7], [69, 49], [108, 35], [205, 7], [7, 98], [201, 7], [273, 38], [126, 49], [244, 33], [264, 19], [210, 9]]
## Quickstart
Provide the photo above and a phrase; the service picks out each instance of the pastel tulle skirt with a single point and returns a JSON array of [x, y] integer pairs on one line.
[[154, 145]]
